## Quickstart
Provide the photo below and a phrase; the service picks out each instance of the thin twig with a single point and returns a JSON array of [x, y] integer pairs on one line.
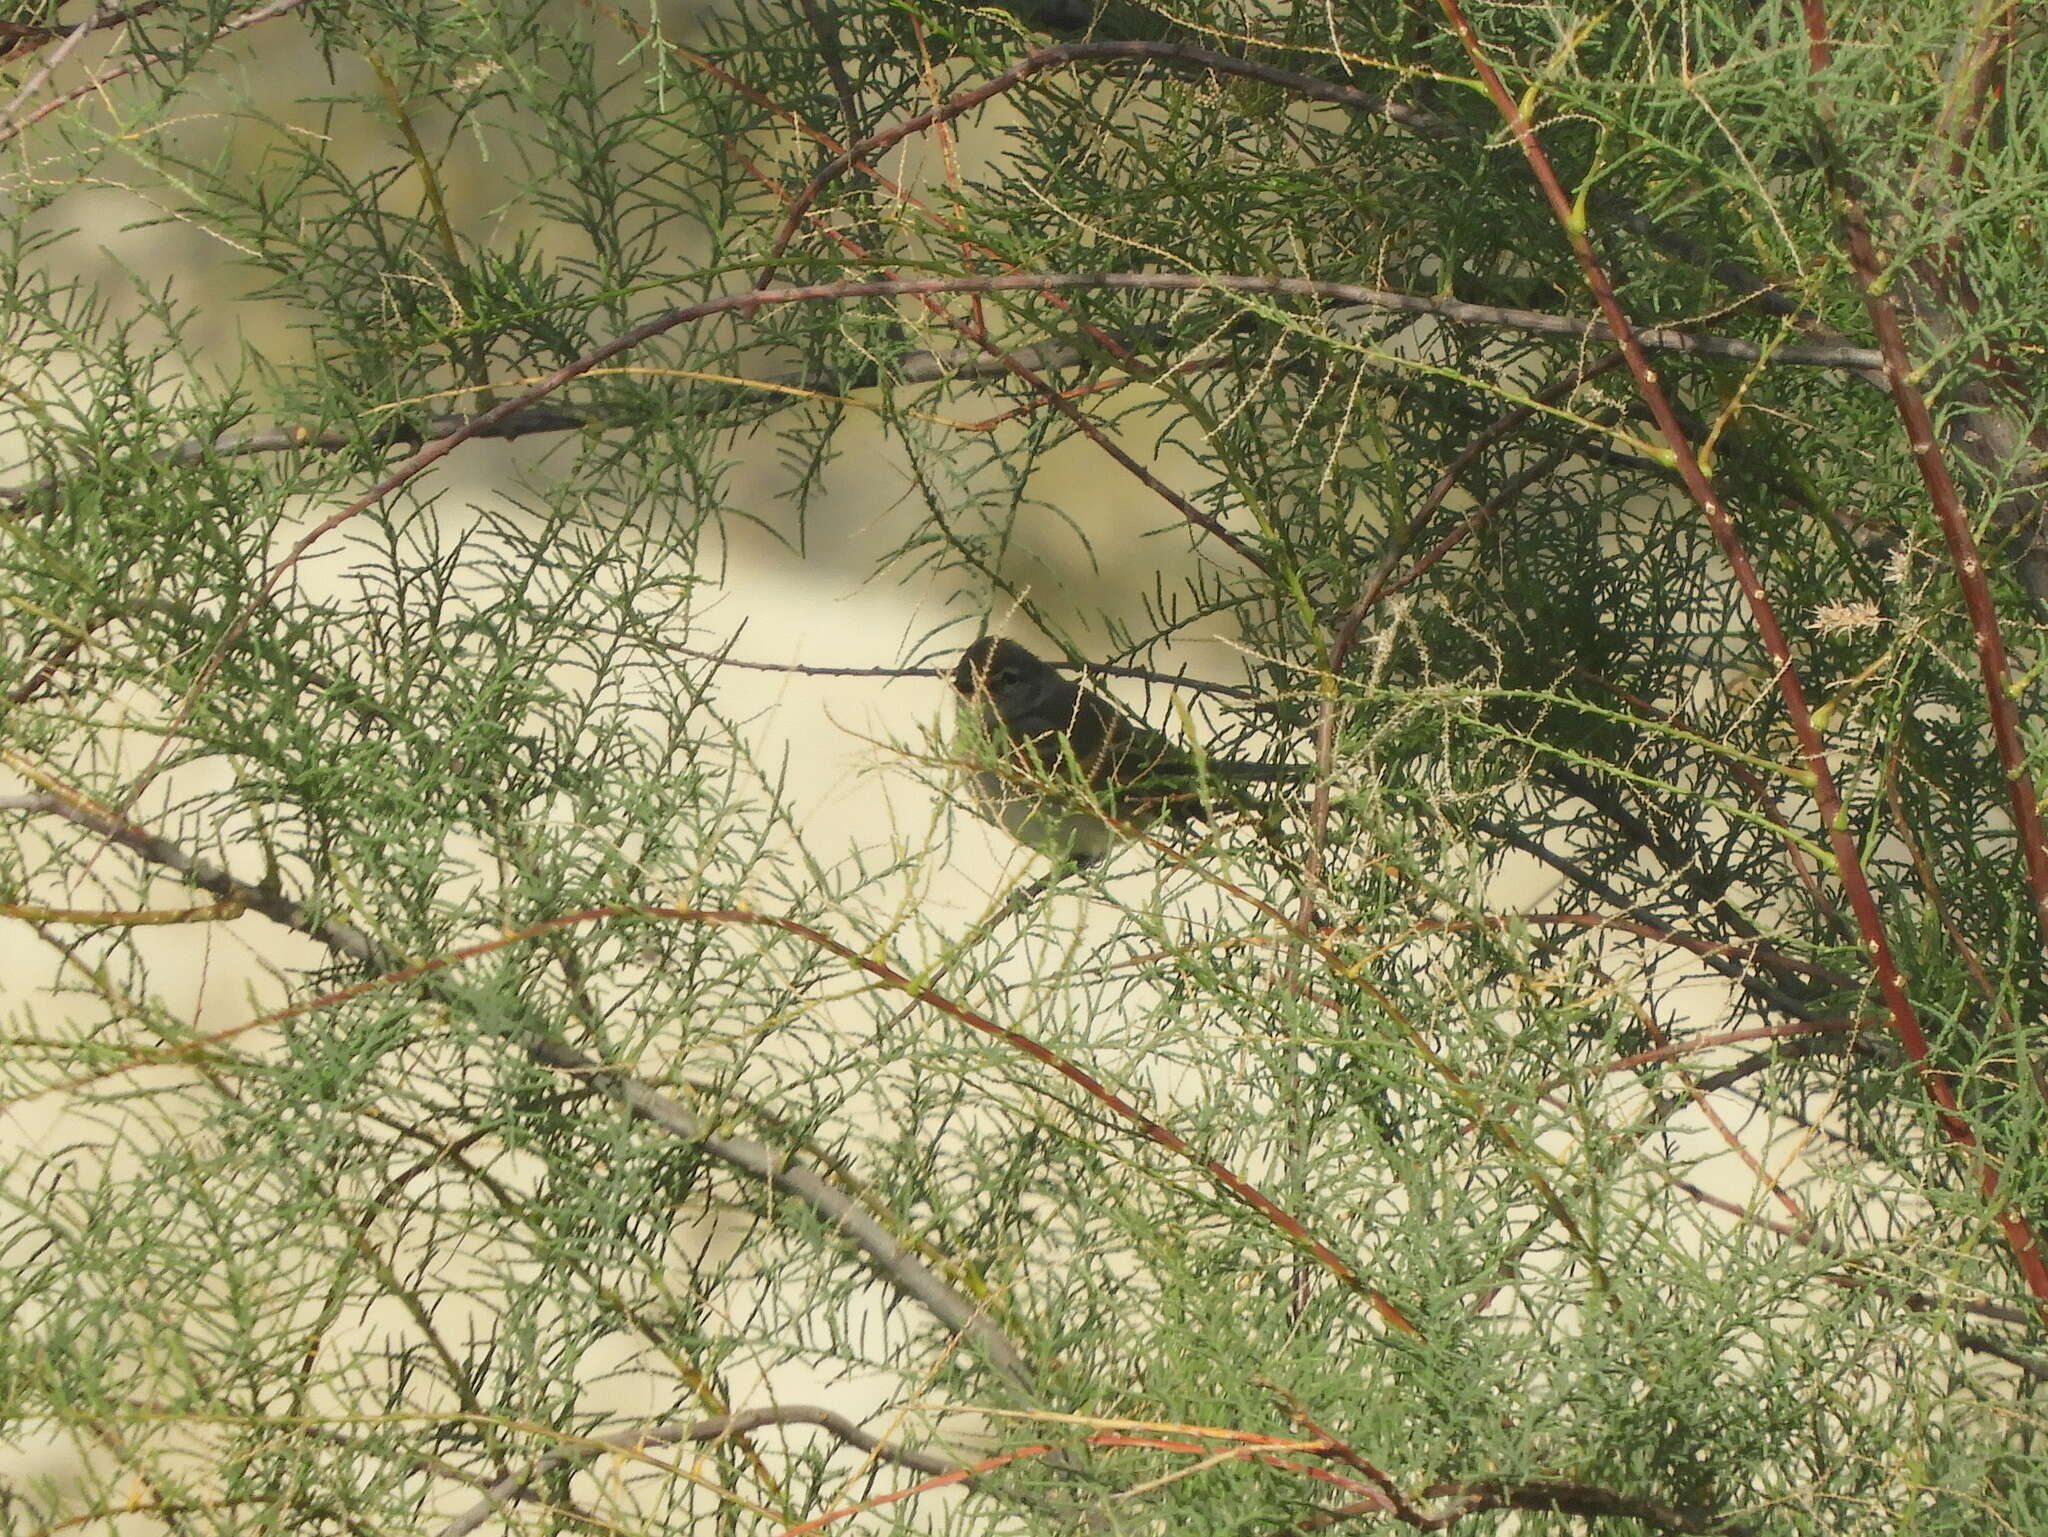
[[925, 366], [1855, 1275], [753, 299], [23, 35], [1106, 50], [129, 66], [40, 75], [1305, 86], [513, 1488], [1398, 1504]]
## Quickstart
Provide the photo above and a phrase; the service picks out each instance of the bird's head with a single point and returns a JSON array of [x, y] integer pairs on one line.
[[1003, 672]]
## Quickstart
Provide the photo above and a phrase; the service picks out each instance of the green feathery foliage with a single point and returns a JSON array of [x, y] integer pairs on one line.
[[456, 1077]]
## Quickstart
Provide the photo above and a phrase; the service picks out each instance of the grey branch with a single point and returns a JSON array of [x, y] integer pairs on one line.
[[924, 367], [890, 1259], [346, 941], [133, 64]]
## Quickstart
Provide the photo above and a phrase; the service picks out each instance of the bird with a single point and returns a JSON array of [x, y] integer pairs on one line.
[[1062, 768]]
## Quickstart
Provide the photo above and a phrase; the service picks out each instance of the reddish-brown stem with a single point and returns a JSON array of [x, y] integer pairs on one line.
[[1827, 800], [1346, 634], [939, 1481], [1398, 1504], [1674, 1050], [975, 334], [1703, 1102], [1037, 63], [579, 1450], [1947, 506], [1239, 1188]]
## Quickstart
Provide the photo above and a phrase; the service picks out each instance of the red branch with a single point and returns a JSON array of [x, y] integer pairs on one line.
[[1948, 511], [1242, 1189], [1671, 1051], [1827, 799], [974, 332], [1238, 1187]]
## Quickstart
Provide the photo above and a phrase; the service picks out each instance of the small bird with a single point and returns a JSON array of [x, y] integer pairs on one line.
[[1059, 766]]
